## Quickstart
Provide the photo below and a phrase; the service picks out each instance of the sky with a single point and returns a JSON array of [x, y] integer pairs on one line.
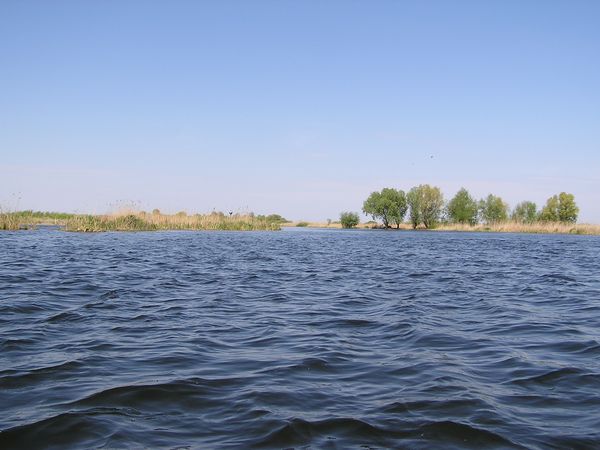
[[300, 108]]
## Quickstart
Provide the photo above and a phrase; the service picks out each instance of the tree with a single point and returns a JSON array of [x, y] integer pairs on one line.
[[389, 205], [462, 208], [560, 208], [549, 212], [567, 208], [525, 212], [426, 203], [493, 209], [349, 219], [414, 202]]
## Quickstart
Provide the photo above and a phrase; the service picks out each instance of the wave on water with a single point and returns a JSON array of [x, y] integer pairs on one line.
[[299, 339]]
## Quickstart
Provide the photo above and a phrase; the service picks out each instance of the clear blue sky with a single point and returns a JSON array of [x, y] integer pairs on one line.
[[296, 107]]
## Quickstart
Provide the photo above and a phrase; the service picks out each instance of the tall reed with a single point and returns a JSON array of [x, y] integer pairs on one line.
[[152, 222], [16, 221], [519, 227]]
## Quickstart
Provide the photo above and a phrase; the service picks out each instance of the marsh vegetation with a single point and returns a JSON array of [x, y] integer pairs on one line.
[[139, 221], [26, 220]]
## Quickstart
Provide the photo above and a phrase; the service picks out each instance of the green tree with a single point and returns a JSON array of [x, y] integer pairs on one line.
[[426, 203], [372, 208], [567, 208], [560, 208], [349, 219], [493, 209], [462, 208], [549, 212], [389, 205], [413, 197], [525, 212]]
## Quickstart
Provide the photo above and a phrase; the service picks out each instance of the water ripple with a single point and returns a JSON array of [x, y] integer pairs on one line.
[[302, 338]]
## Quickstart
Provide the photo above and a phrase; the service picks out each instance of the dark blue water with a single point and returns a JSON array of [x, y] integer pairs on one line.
[[299, 338]]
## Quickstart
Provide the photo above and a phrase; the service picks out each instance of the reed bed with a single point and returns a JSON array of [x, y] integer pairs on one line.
[[500, 227], [27, 220], [519, 227], [13, 221], [154, 222], [140, 221]]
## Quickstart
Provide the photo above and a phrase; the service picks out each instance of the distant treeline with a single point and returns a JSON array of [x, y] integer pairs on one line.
[[424, 205]]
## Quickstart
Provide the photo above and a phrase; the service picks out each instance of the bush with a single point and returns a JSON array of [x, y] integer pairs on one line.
[[302, 224], [349, 219], [276, 218]]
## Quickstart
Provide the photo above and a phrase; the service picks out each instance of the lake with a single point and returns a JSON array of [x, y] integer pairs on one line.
[[300, 338]]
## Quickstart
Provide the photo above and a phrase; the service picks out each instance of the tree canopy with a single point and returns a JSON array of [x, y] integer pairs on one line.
[[389, 206], [560, 208], [525, 212], [426, 204], [462, 208], [493, 209]]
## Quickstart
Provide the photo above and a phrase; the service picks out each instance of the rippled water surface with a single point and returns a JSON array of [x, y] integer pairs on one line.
[[299, 338]]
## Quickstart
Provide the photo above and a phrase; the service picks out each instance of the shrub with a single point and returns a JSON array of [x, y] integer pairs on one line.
[[275, 218], [349, 219]]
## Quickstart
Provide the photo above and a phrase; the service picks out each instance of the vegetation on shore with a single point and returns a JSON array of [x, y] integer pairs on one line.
[[512, 226], [26, 220], [140, 221], [422, 207], [180, 221], [349, 219], [426, 207], [509, 226]]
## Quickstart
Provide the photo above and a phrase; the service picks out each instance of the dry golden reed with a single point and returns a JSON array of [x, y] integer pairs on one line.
[[130, 221], [500, 227], [519, 227]]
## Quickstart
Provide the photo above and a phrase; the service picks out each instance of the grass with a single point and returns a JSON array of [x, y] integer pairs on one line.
[[12, 221], [152, 222], [27, 220], [321, 224], [141, 221], [501, 227], [518, 227]]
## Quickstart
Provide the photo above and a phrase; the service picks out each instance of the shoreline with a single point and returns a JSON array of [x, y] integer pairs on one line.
[[504, 227], [139, 221], [135, 221]]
